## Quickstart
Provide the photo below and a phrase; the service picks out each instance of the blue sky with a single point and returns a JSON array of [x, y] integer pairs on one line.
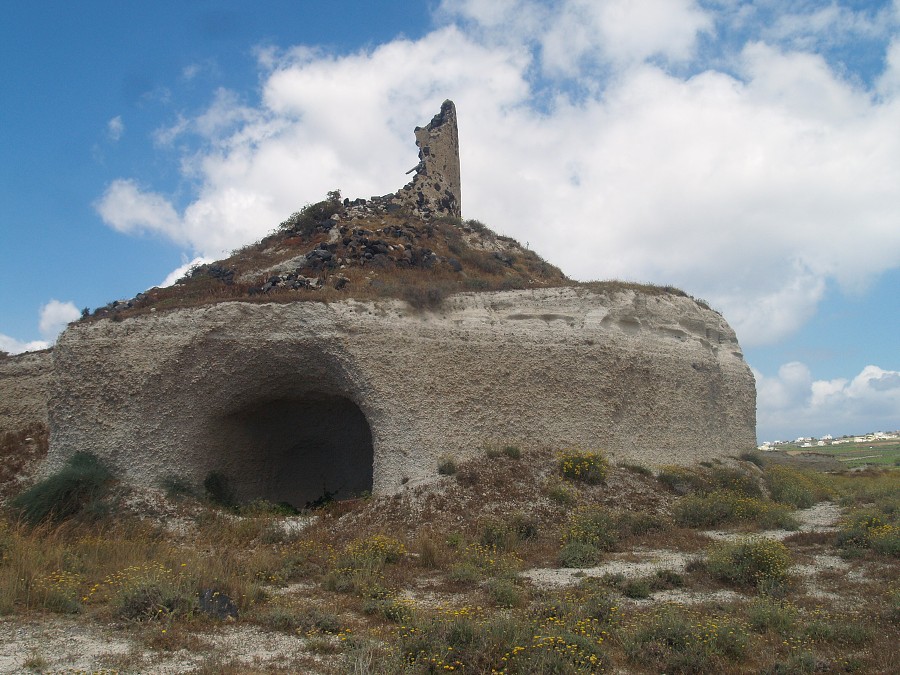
[[747, 152]]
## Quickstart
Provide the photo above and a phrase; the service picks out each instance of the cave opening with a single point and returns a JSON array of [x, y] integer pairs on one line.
[[302, 450]]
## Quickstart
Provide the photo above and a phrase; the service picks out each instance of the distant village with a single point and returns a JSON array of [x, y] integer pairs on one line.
[[812, 442]]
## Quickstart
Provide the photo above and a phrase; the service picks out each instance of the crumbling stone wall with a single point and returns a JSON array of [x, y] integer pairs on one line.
[[435, 187]]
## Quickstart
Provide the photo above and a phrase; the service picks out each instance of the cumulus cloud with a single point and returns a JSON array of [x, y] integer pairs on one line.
[[751, 186], [183, 269], [127, 208], [12, 346], [54, 317], [115, 128], [792, 403]]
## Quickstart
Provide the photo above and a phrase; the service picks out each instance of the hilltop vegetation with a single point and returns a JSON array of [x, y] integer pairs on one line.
[[334, 249]]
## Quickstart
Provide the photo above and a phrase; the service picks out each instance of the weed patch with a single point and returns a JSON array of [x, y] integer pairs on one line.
[[749, 562], [584, 466], [724, 506], [78, 489]]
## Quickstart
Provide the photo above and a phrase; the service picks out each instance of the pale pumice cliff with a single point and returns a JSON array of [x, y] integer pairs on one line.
[[292, 401]]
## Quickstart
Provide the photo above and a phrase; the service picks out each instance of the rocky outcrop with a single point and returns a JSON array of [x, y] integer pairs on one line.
[[299, 400], [25, 382]]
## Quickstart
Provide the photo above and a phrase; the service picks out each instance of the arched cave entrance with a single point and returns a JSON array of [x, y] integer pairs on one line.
[[297, 449]]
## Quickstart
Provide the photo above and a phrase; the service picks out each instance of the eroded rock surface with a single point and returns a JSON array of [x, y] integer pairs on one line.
[[24, 386], [300, 400]]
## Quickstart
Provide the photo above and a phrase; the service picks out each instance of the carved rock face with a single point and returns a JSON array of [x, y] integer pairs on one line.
[[296, 401]]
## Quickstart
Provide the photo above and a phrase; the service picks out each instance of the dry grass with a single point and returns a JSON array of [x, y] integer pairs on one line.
[[389, 583], [448, 257], [20, 452]]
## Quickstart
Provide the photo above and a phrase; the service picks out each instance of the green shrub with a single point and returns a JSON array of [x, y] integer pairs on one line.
[[724, 506], [312, 216], [505, 593], [752, 456], [506, 535], [639, 469], [447, 466], [665, 579], [512, 451], [397, 610], [639, 522], [219, 489], [78, 489], [870, 529], [152, 592], [176, 487], [558, 492], [357, 569], [733, 480], [579, 554], [749, 562], [585, 466], [673, 640], [766, 614], [637, 589], [683, 480], [801, 489]]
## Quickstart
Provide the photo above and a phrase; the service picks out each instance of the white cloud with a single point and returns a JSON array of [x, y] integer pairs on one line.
[[792, 403], [12, 346], [753, 189], [179, 272], [622, 31], [55, 316], [572, 33], [115, 128], [126, 208]]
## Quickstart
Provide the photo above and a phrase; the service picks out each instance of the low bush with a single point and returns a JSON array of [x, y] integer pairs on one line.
[[766, 614], [80, 488], [312, 216], [152, 592], [496, 450], [462, 640], [733, 480], [176, 487], [505, 593], [683, 480], [219, 490], [594, 527], [390, 607], [447, 466], [358, 568], [798, 488], [870, 529], [637, 589], [674, 640], [639, 469], [557, 491], [425, 297], [752, 456], [512, 451], [724, 506], [592, 530], [584, 466], [751, 562], [506, 534]]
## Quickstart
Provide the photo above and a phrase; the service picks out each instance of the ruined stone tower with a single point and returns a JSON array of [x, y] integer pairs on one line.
[[435, 189]]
